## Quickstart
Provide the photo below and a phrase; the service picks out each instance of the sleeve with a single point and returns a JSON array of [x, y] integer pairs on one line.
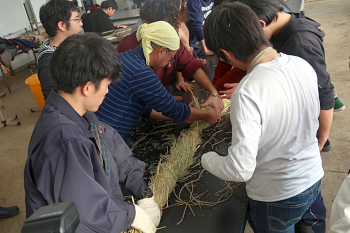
[[130, 169], [44, 74], [72, 174], [147, 87], [103, 24], [340, 215], [196, 18], [313, 53], [240, 163], [234, 75], [127, 43], [187, 63], [221, 69]]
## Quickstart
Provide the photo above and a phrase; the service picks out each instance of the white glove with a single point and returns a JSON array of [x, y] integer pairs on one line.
[[143, 221], [151, 207]]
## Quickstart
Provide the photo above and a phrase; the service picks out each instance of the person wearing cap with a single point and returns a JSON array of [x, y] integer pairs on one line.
[[139, 91]]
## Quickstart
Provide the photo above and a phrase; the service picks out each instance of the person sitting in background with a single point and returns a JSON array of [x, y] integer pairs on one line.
[[60, 20], [85, 18], [169, 11], [140, 93], [274, 150], [197, 12], [73, 157], [99, 20]]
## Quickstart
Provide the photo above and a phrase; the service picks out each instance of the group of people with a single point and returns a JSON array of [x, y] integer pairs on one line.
[[282, 107]]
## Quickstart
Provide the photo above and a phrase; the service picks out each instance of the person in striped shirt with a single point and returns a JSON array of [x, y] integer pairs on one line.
[[139, 93]]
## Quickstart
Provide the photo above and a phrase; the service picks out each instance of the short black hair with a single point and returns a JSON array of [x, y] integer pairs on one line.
[[109, 3], [83, 58], [236, 28], [55, 11], [162, 10], [266, 10]]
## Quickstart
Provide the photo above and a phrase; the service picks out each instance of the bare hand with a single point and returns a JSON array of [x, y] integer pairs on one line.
[[208, 53], [230, 88], [184, 86], [204, 61], [190, 49], [122, 26], [212, 113], [177, 97], [217, 105]]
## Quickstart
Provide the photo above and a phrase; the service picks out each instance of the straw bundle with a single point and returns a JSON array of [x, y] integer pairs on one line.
[[182, 157]]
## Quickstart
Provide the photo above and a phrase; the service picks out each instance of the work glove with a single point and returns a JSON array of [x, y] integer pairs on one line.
[[143, 221], [151, 207]]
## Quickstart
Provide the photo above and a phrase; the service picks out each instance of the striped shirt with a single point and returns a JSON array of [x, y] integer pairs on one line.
[[138, 90]]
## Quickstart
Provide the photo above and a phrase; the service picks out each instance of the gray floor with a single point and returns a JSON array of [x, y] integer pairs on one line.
[[334, 15]]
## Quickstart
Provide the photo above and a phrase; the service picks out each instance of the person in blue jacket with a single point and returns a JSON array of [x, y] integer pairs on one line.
[[73, 157], [197, 12]]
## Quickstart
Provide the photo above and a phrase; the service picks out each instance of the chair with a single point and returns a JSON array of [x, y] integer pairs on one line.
[[4, 120]]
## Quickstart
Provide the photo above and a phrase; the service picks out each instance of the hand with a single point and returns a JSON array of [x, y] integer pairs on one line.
[[204, 61], [143, 221], [208, 53], [212, 116], [216, 103], [184, 86], [321, 142], [190, 49], [230, 88], [122, 26], [151, 207], [177, 97]]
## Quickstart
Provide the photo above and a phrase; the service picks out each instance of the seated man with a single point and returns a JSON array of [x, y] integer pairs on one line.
[[73, 157], [274, 150], [140, 90], [99, 20], [60, 20], [191, 68]]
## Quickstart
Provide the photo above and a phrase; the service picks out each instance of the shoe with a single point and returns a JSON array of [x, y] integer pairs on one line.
[[8, 212], [338, 105], [327, 146]]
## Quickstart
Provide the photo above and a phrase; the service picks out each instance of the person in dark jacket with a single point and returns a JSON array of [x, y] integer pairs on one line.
[[99, 20], [297, 35], [73, 157], [60, 20]]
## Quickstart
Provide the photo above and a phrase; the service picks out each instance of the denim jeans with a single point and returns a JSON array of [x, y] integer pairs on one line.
[[306, 208]]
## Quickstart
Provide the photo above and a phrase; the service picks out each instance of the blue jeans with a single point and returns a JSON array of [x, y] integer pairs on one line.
[[306, 209]]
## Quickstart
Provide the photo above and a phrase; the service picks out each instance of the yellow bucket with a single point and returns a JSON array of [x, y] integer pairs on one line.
[[34, 84]]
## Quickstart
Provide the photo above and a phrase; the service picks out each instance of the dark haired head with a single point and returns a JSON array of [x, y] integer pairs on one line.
[[266, 10], [55, 11], [109, 3], [83, 58], [162, 10], [234, 27]]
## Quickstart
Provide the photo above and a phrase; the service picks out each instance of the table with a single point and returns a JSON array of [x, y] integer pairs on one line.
[[127, 17], [225, 217]]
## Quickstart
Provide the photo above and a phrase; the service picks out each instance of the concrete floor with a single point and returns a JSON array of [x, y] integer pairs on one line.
[[334, 16]]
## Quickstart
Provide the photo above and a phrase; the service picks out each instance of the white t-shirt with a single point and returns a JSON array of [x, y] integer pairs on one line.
[[274, 117]]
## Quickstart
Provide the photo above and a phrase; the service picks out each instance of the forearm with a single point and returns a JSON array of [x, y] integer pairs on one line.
[[198, 115], [203, 80], [158, 116], [325, 120], [203, 46], [179, 77]]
